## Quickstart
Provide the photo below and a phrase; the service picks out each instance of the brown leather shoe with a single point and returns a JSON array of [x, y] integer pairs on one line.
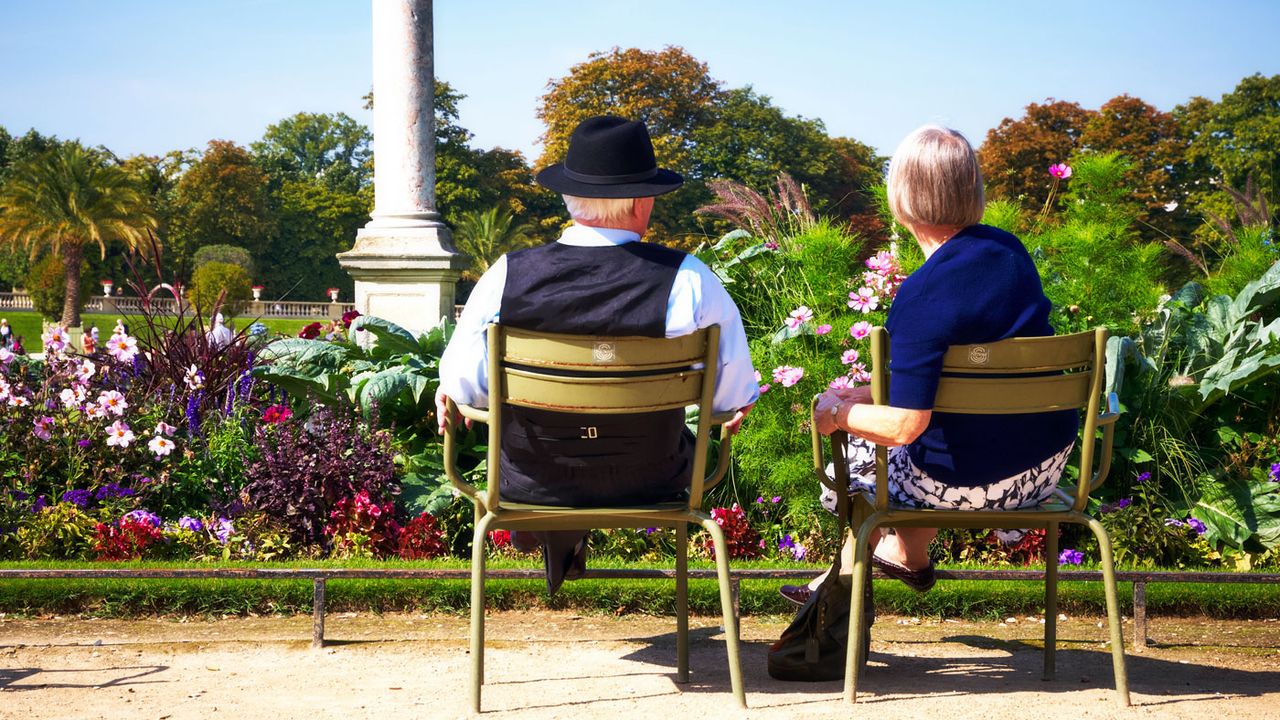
[[798, 594], [918, 580]]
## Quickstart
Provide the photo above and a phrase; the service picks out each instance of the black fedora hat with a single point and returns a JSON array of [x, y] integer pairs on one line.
[[609, 157]]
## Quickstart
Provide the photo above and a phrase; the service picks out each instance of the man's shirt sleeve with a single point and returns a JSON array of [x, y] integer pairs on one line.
[[698, 300], [464, 364]]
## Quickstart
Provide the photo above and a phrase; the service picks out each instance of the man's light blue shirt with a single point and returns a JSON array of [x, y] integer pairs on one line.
[[697, 300]]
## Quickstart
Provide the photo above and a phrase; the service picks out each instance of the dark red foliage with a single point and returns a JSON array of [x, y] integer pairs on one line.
[[743, 541], [126, 541], [500, 538], [361, 515], [304, 468], [422, 539], [310, 332]]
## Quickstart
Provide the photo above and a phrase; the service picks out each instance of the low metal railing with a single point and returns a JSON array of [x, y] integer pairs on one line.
[[320, 576], [132, 305]]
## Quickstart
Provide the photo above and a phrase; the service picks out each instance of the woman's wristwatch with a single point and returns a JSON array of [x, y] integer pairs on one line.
[[835, 411]]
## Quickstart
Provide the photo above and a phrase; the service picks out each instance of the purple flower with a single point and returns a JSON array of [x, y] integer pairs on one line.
[[1070, 557], [760, 500], [79, 498], [224, 530], [776, 499], [1174, 522], [189, 523], [84, 443], [18, 495], [786, 543], [1196, 525], [1120, 504], [112, 490], [770, 245], [193, 413], [1144, 477], [1275, 472], [41, 503], [144, 516], [794, 549]]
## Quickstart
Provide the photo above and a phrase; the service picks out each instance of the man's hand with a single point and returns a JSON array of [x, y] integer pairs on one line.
[[442, 412], [735, 423]]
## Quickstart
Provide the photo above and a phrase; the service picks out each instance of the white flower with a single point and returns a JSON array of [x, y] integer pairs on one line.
[[94, 410], [160, 445], [1171, 206], [84, 372], [119, 435], [113, 400], [122, 347], [6, 357], [68, 398], [18, 401], [194, 379]]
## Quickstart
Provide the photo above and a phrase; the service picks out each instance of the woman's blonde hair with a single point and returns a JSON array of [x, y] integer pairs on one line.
[[599, 210], [934, 179]]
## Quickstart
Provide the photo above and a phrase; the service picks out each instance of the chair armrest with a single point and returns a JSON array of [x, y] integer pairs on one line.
[[452, 410], [724, 453], [1107, 422]]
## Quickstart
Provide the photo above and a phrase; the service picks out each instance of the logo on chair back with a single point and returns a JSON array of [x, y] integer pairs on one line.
[[979, 355], [603, 352]]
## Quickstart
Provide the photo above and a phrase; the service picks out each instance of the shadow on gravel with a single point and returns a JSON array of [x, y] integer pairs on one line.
[[12, 679], [962, 665]]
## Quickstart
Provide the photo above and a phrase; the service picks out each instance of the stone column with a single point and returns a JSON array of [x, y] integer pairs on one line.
[[403, 261]]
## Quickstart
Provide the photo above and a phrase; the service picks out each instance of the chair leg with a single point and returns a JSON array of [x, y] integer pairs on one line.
[[1050, 600], [1113, 610], [477, 609], [682, 602], [726, 609], [861, 576]]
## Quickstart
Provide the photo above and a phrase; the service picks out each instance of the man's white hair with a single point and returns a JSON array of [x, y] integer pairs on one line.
[[599, 210]]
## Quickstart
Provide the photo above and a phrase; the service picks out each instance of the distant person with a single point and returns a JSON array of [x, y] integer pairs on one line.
[[90, 341], [219, 336], [16, 347], [6, 333]]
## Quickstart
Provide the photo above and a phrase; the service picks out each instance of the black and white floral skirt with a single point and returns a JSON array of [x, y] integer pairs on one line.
[[909, 486]]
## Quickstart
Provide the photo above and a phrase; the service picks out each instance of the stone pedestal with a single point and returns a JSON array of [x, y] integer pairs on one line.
[[403, 261]]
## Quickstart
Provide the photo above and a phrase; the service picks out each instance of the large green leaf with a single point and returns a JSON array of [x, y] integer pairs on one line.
[[1260, 293], [382, 387], [391, 337], [300, 352], [1244, 514], [325, 388]]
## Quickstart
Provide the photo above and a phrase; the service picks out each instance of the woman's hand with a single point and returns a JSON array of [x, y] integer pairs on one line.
[[823, 418]]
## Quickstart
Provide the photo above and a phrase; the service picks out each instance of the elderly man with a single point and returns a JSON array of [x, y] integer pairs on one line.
[[598, 279]]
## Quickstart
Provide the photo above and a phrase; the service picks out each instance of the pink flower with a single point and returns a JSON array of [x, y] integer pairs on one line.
[[858, 373], [765, 388], [770, 245], [787, 375], [68, 398], [4, 389], [164, 428], [840, 383], [864, 300], [159, 445], [55, 339], [822, 330], [84, 371], [883, 262], [18, 401], [44, 427], [122, 347], [849, 357], [799, 316], [6, 357], [113, 401], [94, 410], [860, 329], [1061, 171], [119, 435]]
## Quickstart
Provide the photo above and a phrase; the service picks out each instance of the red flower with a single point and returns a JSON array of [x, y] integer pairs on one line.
[[743, 541], [310, 332], [128, 541], [276, 414], [348, 317], [500, 538], [422, 539]]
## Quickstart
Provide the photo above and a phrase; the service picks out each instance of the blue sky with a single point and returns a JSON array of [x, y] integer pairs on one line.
[[152, 75]]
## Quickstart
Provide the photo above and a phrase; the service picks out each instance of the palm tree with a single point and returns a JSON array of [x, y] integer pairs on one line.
[[486, 235], [66, 198]]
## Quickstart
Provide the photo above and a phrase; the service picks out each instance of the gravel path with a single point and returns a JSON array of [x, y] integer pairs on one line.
[[562, 665]]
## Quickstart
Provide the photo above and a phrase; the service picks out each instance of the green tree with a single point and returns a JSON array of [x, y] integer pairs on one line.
[[224, 254], [214, 280], [332, 149], [487, 235], [66, 199], [222, 199], [46, 282], [1016, 154], [1236, 138], [315, 223]]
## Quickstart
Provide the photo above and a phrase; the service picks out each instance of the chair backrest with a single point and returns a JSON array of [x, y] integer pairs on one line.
[[1018, 375], [594, 375]]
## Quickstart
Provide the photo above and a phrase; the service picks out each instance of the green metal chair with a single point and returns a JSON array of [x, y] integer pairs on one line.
[[1019, 375], [600, 375]]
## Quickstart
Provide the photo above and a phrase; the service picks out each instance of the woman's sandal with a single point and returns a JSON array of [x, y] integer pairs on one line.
[[918, 580]]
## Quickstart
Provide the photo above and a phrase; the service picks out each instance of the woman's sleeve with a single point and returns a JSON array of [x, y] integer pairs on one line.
[[920, 331]]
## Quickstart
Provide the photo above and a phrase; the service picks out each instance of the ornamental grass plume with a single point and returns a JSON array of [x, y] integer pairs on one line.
[[771, 218]]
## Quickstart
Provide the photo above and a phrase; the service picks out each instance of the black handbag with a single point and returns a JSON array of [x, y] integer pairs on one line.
[[814, 646]]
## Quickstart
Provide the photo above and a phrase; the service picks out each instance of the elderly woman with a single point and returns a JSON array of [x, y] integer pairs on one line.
[[977, 285]]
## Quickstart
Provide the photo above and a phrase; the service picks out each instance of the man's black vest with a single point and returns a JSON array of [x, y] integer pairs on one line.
[[556, 458]]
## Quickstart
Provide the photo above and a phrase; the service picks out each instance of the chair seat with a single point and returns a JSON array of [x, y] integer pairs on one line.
[[547, 517], [1054, 509]]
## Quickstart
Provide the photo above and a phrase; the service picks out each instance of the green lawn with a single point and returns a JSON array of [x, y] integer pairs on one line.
[[27, 325], [986, 599]]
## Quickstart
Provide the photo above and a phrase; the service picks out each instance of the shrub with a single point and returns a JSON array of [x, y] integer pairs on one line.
[[360, 527], [47, 285], [304, 469], [229, 254], [219, 280], [126, 540], [422, 539], [743, 541], [60, 531]]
